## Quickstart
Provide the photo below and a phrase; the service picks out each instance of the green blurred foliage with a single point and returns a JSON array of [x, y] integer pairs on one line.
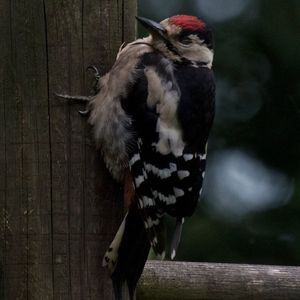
[[257, 67]]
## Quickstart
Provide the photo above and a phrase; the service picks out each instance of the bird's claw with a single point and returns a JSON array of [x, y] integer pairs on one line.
[[95, 87], [95, 70], [84, 112]]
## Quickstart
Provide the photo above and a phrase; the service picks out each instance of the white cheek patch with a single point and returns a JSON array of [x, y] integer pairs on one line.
[[198, 52]]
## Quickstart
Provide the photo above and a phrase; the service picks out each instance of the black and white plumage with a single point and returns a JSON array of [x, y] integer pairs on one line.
[[153, 114]]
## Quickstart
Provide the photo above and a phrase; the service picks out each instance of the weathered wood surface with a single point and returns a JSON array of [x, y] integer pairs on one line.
[[216, 281], [58, 206]]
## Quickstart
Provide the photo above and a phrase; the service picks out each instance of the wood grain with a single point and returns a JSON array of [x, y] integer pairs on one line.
[[59, 208], [215, 281]]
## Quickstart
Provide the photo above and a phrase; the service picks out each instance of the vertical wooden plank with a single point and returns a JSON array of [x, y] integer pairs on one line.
[[101, 210], [67, 129], [112, 23], [59, 208], [15, 241], [25, 201], [129, 13], [4, 53]]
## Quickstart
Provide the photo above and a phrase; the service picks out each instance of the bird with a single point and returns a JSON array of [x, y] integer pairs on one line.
[[151, 116]]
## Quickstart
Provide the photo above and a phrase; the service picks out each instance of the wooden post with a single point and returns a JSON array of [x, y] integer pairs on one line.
[[215, 281], [59, 207]]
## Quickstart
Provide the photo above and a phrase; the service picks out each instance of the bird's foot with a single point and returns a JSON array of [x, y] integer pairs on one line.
[[84, 99], [95, 86], [72, 98], [95, 70]]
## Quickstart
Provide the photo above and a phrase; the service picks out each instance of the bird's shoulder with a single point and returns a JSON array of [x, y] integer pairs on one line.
[[130, 56]]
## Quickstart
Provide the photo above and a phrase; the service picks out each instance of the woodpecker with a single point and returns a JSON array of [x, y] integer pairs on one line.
[[151, 119]]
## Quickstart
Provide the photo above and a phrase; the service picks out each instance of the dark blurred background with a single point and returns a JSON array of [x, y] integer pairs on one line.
[[250, 207]]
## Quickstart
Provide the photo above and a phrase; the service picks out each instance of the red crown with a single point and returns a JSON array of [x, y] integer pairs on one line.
[[187, 22]]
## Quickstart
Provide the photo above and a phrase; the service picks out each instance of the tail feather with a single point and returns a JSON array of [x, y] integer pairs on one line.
[[154, 225], [111, 256], [176, 237], [132, 254]]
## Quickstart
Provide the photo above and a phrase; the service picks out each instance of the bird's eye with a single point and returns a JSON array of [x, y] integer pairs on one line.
[[185, 41]]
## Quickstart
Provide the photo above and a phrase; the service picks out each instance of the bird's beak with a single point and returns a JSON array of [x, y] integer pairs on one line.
[[152, 26]]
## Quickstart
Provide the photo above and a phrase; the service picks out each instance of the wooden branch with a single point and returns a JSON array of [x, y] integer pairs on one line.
[[187, 280]]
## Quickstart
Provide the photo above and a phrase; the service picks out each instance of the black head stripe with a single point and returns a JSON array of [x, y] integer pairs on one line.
[[203, 34], [171, 47]]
